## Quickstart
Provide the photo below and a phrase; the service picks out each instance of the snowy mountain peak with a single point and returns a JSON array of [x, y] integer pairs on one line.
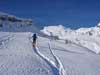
[[51, 29], [98, 25], [16, 24], [60, 29], [12, 18]]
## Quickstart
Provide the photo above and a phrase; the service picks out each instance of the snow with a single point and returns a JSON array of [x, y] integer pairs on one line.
[[10, 23], [78, 36], [75, 52], [55, 57], [76, 59], [18, 57], [51, 29], [98, 25]]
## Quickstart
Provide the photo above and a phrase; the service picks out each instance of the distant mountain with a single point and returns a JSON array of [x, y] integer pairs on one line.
[[13, 23], [60, 30]]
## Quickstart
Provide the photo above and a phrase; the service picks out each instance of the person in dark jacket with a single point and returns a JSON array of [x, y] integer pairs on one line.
[[34, 39]]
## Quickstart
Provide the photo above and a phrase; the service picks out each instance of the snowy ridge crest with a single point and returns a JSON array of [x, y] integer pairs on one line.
[[12, 18], [10, 23], [86, 37]]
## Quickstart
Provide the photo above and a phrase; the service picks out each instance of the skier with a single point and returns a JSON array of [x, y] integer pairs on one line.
[[34, 39]]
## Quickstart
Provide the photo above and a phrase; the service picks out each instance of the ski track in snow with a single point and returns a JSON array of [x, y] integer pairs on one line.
[[48, 61], [4, 40], [58, 62], [56, 66]]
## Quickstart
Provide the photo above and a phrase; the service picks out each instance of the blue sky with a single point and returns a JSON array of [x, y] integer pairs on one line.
[[71, 13]]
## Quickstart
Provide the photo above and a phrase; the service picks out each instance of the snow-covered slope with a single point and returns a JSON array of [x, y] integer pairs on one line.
[[50, 57], [17, 56], [86, 37], [76, 59]]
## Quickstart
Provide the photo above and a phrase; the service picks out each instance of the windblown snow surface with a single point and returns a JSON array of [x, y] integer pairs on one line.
[[74, 52]]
